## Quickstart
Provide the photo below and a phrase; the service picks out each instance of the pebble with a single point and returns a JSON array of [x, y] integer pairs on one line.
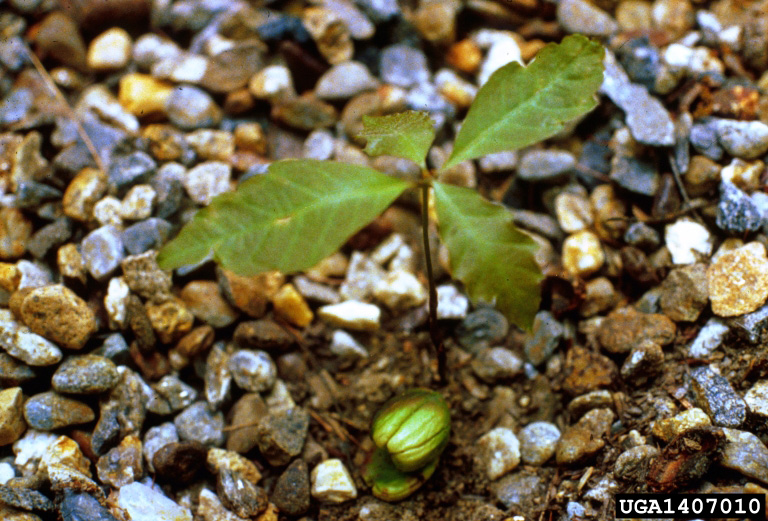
[[645, 361], [633, 463], [451, 303], [743, 139], [143, 95], [177, 393], [314, 291], [198, 423], [110, 50], [253, 370], [670, 428], [351, 314], [146, 503], [49, 236], [248, 412], [25, 499], [240, 494], [573, 212], [273, 82], [136, 167], [250, 294], [579, 16], [736, 211], [203, 299], [635, 175], [82, 506], [400, 290], [58, 314], [82, 193], [538, 442], [332, 482], [190, 107], [207, 180], [85, 374], [502, 49], [15, 230], [403, 66], [179, 462], [481, 329], [647, 119], [545, 338], [49, 411], [756, 398], [344, 81], [107, 211], [709, 338], [345, 346], [587, 371], [496, 363], [121, 465], [102, 251], [642, 236], [12, 424], [156, 438], [22, 344], [290, 305], [218, 378], [582, 253], [498, 452], [280, 436], [330, 31], [743, 174], [686, 239], [600, 296], [548, 166], [14, 372], [684, 293], [518, 491], [737, 280], [137, 203], [305, 112], [292, 491], [625, 328], [745, 453], [577, 444], [717, 398]]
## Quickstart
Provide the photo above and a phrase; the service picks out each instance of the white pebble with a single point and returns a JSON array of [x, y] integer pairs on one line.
[[500, 452], [352, 314], [344, 345], [332, 483], [684, 238]]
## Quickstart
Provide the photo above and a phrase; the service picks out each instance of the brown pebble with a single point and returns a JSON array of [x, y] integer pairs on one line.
[[245, 415], [179, 462], [58, 314], [58, 37], [263, 334], [587, 371], [251, 295], [15, 230], [626, 328], [204, 300], [196, 341]]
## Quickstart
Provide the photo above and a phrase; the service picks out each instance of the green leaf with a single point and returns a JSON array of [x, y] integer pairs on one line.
[[488, 253], [406, 134], [519, 106], [289, 219]]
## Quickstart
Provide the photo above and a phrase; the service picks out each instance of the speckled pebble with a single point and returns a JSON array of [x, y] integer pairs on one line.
[[538, 441], [123, 464], [146, 503], [12, 424], [738, 280], [292, 490], [743, 139], [198, 423], [207, 180], [21, 343], [745, 453], [717, 398], [281, 435], [58, 314], [49, 410], [669, 428], [85, 374], [253, 370]]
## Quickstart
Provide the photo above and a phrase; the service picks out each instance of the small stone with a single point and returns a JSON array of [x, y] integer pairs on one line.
[[190, 107], [745, 453], [496, 363], [198, 423], [498, 452], [49, 236], [281, 435], [757, 398], [582, 253], [577, 444], [737, 280], [400, 290], [58, 314], [110, 50], [670, 428], [49, 411], [123, 464], [82, 193], [102, 251], [21, 343], [15, 231], [573, 212], [142, 94], [708, 339], [644, 362], [12, 424], [351, 314], [156, 438], [403, 66], [210, 508], [315, 291], [204, 300], [149, 234], [636, 175], [290, 305], [363, 275], [14, 372], [626, 328], [332, 483], [599, 297], [240, 494], [502, 49], [642, 236], [179, 462], [218, 378], [107, 211], [587, 371], [247, 412], [545, 165], [633, 15], [170, 319], [745, 175], [207, 180], [86, 374], [538, 442], [250, 294], [305, 112], [743, 139], [633, 463], [578, 16], [717, 398], [736, 212], [482, 328], [686, 240], [253, 370], [137, 203], [145, 503], [344, 81], [83, 506], [545, 339], [684, 293], [273, 82], [518, 491], [345, 346], [451, 304], [292, 490]]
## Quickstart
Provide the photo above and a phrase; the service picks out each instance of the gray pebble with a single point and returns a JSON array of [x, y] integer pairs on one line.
[[403, 66], [545, 165], [642, 236], [708, 339], [16, 106], [291, 493], [253, 370], [177, 393], [636, 175], [538, 441], [85, 374], [519, 491], [156, 438], [751, 325], [49, 236], [482, 328], [717, 398], [25, 499], [146, 235], [743, 139], [736, 212], [189, 107], [13, 372], [579, 16], [48, 411], [198, 423], [281, 435], [703, 137], [102, 251], [380, 10], [22, 344], [545, 338], [77, 507], [115, 348], [137, 167], [745, 453], [344, 81], [496, 363]]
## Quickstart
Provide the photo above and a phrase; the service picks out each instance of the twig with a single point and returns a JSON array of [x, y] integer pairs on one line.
[[434, 332], [65, 105]]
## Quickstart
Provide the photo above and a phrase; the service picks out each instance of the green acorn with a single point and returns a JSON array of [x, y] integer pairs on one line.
[[413, 427]]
